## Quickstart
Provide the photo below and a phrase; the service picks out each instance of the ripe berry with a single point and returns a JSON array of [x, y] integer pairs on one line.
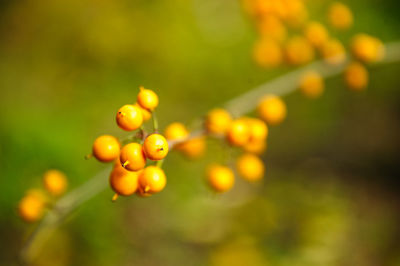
[[145, 113], [218, 121], [176, 131], [256, 147], [129, 117], [132, 157], [122, 181], [152, 179], [296, 13], [367, 48], [31, 206], [193, 148], [147, 99], [333, 52], [250, 167], [220, 178], [55, 182], [155, 147], [267, 53], [238, 133], [106, 148], [272, 110], [271, 27], [340, 16], [258, 130], [299, 50], [356, 76], [316, 33], [311, 84]]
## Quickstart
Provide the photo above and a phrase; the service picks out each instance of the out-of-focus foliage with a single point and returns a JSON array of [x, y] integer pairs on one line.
[[330, 195]]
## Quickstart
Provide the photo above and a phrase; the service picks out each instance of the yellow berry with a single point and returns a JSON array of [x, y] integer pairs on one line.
[[193, 148], [31, 206], [296, 13], [155, 147], [218, 121], [176, 131], [147, 99], [220, 178], [367, 48], [152, 179], [132, 157], [106, 148], [271, 27], [356, 76], [316, 33], [255, 146], [129, 117], [272, 110], [340, 16], [258, 130], [250, 167], [267, 53], [311, 84], [55, 182], [145, 113], [122, 181], [238, 133], [299, 50], [333, 52]]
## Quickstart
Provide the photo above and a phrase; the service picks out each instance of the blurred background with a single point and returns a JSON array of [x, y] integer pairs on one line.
[[331, 190]]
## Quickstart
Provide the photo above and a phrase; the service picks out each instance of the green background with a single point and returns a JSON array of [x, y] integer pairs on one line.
[[330, 195]]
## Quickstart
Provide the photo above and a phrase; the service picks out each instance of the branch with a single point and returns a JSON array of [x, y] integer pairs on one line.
[[238, 106]]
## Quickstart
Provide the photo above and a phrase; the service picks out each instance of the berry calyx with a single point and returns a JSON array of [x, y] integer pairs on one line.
[[155, 147], [106, 148], [129, 117], [132, 157]]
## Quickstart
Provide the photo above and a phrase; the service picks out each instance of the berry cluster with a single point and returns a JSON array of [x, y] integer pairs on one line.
[[32, 206], [130, 173], [287, 35]]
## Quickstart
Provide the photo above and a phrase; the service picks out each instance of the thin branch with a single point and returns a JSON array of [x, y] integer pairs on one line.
[[238, 106]]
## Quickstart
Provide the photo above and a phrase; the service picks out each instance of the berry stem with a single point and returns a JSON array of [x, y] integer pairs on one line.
[[155, 122]]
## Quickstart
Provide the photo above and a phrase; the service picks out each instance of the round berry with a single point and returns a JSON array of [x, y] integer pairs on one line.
[[129, 117], [218, 121], [267, 53], [333, 52], [238, 133], [255, 147], [316, 33], [147, 99], [272, 27], [311, 84], [367, 48], [356, 76], [152, 179], [258, 130], [31, 206], [193, 148], [340, 16], [220, 178], [55, 182], [122, 181], [176, 131], [299, 50], [145, 113], [155, 147], [106, 148], [132, 157], [272, 110], [250, 167]]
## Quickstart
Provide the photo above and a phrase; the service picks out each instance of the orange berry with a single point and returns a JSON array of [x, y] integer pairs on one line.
[[218, 121], [333, 52], [340, 16], [258, 130], [271, 27], [220, 178], [356, 76], [267, 53], [272, 110], [152, 179], [106, 148], [132, 157], [311, 84], [31, 206], [129, 117], [316, 33], [296, 13], [155, 147], [176, 131], [193, 148], [147, 99], [238, 133], [250, 167], [122, 181], [55, 182], [145, 113], [367, 48], [299, 50], [256, 147]]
